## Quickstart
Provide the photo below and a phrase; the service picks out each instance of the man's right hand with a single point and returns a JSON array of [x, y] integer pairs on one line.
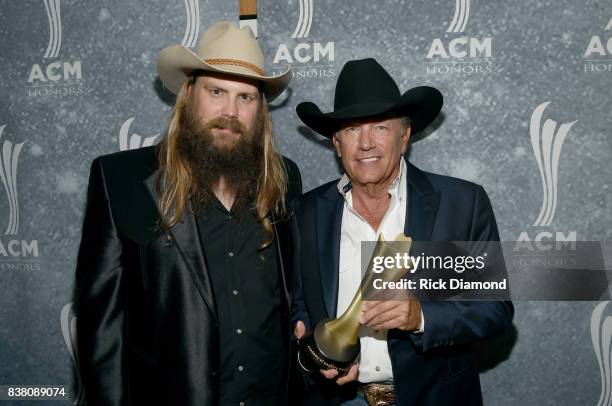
[[353, 373]]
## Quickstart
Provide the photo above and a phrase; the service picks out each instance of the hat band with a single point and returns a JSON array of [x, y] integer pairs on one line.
[[236, 62]]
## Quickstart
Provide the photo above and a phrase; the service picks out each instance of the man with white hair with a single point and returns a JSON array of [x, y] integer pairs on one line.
[[412, 352]]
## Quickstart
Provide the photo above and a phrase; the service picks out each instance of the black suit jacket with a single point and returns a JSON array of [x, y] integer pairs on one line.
[[147, 320], [438, 366]]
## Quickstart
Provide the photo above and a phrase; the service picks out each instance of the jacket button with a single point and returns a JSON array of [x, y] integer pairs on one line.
[[215, 373]]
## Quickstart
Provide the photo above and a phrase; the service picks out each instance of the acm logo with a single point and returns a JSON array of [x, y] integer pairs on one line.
[[13, 251], [192, 8], [599, 51], [457, 52], [59, 78], [308, 59], [547, 140], [129, 141], [601, 337], [68, 323]]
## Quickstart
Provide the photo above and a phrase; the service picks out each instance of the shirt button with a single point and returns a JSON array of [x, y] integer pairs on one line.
[[240, 368], [239, 331], [262, 257], [231, 254], [235, 292], [377, 369]]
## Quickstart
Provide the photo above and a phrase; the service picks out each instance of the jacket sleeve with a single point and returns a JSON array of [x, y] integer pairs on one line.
[[100, 299], [294, 191], [294, 183], [299, 310], [298, 303], [457, 323]]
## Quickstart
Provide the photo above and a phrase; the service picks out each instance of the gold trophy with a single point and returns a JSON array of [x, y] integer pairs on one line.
[[334, 343]]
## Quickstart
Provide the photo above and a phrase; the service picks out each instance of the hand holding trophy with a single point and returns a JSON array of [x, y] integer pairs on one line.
[[334, 343]]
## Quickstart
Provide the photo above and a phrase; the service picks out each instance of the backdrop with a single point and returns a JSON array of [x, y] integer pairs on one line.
[[527, 114]]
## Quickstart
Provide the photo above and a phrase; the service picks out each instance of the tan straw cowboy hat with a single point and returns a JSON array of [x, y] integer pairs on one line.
[[223, 48]]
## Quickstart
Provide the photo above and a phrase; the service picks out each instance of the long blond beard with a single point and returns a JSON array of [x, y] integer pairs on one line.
[[239, 163]]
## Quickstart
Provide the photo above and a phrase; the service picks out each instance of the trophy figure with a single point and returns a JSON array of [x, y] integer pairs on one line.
[[334, 343]]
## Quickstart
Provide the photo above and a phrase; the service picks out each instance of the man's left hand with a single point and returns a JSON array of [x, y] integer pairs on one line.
[[389, 314], [351, 375]]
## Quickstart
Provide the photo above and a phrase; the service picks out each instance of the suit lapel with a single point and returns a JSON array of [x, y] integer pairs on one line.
[[281, 234], [329, 221], [187, 238], [423, 202]]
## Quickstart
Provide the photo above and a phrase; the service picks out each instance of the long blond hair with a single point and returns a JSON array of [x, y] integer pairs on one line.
[[175, 182]]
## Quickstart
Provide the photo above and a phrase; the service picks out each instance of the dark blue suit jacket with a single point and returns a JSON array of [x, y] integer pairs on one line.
[[437, 367]]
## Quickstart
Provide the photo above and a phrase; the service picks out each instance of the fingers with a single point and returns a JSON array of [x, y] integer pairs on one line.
[[329, 373], [402, 314], [393, 321], [350, 376], [370, 304], [388, 320], [372, 310], [300, 329]]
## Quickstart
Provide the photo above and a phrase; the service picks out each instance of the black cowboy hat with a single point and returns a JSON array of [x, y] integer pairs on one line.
[[365, 89]]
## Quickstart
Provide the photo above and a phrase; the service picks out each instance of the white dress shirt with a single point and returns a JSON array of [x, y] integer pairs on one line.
[[374, 364]]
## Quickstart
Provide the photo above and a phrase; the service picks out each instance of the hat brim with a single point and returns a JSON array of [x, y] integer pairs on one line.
[[176, 63], [422, 104]]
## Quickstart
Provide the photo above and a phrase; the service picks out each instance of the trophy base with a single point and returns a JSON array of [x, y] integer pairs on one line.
[[312, 355]]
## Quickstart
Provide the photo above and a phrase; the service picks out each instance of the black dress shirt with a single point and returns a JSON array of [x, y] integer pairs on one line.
[[246, 285]]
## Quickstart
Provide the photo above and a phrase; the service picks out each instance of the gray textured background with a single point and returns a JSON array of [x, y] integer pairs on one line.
[[538, 55]]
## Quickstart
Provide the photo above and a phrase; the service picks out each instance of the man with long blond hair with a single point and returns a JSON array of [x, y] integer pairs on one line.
[[183, 275]]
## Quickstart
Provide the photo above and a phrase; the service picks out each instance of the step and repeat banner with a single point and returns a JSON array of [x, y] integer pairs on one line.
[[527, 115]]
